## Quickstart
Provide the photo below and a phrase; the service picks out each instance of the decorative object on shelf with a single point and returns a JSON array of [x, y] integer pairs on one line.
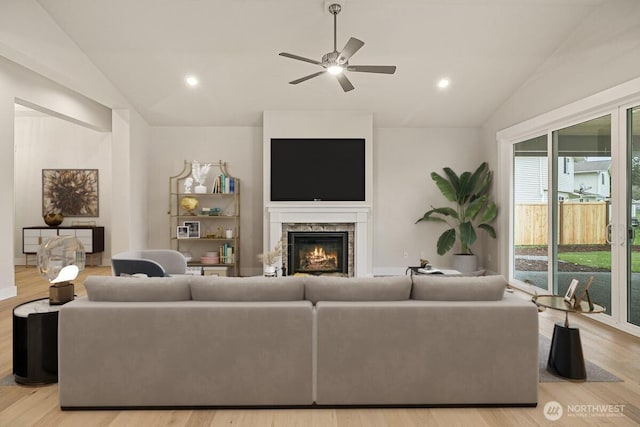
[[228, 233], [210, 258], [182, 232], [72, 192], [270, 258], [53, 219], [189, 204], [83, 223], [470, 193], [199, 173], [60, 259], [188, 183], [194, 229]]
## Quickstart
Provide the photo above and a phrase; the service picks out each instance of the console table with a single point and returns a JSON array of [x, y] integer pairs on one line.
[[35, 342], [92, 238], [565, 356]]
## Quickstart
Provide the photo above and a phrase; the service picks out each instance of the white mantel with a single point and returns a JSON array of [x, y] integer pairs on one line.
[[321, 124], [358, 215]]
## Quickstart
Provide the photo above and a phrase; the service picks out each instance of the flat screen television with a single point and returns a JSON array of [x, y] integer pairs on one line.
[[317, 169]]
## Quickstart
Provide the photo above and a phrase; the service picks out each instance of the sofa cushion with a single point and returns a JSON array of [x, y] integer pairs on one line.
[[213, 288], [323, 288], [138, 289], [442, 288]]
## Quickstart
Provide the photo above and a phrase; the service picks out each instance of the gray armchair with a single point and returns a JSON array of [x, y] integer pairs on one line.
[[152, 262]]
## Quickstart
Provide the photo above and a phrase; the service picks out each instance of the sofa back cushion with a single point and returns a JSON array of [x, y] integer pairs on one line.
[[323, 288], [137, 289], [442, 288], [212, 288]]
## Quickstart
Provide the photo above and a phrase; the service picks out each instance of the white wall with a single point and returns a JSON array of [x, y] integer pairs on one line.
[[45, 142], [404, 191], [17, 82], [600, 54], [42, 68], [29, 37], [402, 187], [240, 147]]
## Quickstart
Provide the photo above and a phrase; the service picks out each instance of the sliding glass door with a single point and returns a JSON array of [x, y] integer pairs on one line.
[[575, 206], [633, 214], [582, 207], [531, 212]]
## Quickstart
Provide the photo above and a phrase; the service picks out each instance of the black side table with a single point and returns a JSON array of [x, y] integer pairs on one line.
[[565, 356], [35, 342]]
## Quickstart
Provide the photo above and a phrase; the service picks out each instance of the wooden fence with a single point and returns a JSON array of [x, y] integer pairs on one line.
[[579, 223]]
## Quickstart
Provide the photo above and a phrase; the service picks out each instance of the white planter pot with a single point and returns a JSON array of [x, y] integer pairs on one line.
[[270, 270], [465, 264]]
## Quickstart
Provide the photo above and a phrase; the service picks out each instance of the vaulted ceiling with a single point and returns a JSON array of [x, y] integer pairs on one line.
[[487, 48]]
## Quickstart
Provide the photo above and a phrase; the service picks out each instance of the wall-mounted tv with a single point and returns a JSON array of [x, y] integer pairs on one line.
[[317, 169]]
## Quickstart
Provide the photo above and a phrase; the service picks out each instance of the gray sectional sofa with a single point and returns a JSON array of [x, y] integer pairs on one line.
[[297, 341]]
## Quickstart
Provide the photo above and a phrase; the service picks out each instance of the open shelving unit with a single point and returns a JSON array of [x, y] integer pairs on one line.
[[213, 225]]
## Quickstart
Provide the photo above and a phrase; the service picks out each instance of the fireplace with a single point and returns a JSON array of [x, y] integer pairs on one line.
[[318, 252]]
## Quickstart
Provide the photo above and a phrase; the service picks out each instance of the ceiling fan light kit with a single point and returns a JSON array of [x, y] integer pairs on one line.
[[335, 63]]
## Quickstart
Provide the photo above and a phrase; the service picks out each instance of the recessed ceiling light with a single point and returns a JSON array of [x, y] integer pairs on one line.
[[443, 83], [191, 81]]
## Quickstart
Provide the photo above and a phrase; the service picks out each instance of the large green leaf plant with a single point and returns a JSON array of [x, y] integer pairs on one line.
[[469, 192]]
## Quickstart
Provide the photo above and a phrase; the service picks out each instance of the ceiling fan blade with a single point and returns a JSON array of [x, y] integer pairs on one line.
[[305, 78], [352, 46], [344, 82], [300, 58], [382, 69]]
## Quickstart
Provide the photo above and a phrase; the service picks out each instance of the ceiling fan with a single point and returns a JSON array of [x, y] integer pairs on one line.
[[336, 63]]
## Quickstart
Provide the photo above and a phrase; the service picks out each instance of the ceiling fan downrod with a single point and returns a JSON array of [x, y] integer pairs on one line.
[[335, 10]]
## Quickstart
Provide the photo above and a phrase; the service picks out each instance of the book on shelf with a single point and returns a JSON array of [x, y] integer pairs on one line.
[[226, 253], [216, 185], [223, 184]]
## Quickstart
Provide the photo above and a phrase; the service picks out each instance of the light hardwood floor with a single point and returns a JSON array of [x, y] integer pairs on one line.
[[611, 349]]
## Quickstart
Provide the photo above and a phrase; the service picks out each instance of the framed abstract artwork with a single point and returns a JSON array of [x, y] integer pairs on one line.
[[71, 192]]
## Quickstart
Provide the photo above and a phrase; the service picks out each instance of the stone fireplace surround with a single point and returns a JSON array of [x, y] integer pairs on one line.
[[354, 219]]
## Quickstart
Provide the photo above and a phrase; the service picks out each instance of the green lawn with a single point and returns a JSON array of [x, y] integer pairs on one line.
[[600, 259]]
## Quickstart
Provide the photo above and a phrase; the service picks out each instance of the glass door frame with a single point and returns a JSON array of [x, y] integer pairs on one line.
[[614, 102]]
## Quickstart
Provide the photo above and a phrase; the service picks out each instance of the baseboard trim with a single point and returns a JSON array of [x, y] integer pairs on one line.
[[312, 406], [8, 292]]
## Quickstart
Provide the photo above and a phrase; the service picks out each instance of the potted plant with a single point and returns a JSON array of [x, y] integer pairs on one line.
[[270, 258], [469, 192]]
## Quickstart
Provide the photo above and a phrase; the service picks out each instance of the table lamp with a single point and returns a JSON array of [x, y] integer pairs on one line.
[[60, 259]]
